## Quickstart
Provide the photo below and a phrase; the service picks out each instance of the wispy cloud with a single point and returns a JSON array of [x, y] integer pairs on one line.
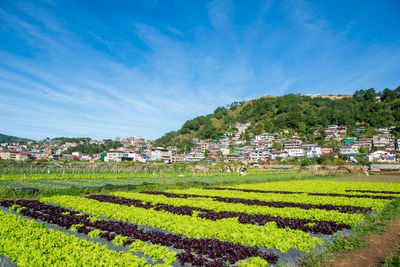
[[148, 79], [220, 14]]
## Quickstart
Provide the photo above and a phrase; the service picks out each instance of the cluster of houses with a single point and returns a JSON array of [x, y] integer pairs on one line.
[[276, 146], [381, 147]]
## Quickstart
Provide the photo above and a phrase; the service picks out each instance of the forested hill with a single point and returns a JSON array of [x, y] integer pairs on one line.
[[12, 139], [299, 113]]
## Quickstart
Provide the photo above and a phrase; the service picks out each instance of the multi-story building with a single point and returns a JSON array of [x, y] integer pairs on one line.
[[295, 152], [265, 137], [242, 126], [363, 142], [384, 141], [160, 153], [223, 142], [311, 150], [292, 143], [259, 155], [8, 154], [202, 146]]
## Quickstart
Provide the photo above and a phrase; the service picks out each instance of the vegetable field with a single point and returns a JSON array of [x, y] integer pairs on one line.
[[15, 172], [243, 225], [47, 184]]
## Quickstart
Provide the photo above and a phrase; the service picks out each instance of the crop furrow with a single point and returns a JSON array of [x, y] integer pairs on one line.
[[309, 193], [344, 209], [351, 196], [254, 190], [376, 192]]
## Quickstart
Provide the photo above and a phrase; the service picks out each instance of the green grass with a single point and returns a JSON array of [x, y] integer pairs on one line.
[[373, 225], [393, 260]]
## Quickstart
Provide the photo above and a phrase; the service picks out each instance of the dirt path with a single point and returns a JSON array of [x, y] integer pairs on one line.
[[371, 178], [380, 247]]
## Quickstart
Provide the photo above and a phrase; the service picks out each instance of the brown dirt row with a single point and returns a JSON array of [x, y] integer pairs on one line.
[[371, 178]]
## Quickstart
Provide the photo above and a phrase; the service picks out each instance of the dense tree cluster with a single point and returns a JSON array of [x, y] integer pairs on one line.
[[302, 114], [12, 139]]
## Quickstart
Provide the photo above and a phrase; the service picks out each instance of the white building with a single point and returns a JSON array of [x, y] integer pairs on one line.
[[295, 152], [346, 150], [178, 158], [160, 153], [292, 143], [382, 156], [133, 156], [311, 150], [114, 155], [282, 154], [259, 155], [384, 141], [242, 127]]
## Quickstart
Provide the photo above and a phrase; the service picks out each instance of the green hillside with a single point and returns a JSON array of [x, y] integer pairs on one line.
[[12, 139], [293, 112]]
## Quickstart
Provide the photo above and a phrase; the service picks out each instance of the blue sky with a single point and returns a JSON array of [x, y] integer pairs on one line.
[[142, 68]]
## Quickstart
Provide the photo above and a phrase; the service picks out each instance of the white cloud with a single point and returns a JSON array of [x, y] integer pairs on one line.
[[67, 87]]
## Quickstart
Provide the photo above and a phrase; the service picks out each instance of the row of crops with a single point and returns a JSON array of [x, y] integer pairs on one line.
[[124, 182], [245, 225]]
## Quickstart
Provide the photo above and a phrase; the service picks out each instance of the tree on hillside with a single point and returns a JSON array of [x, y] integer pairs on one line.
[[301, 114]]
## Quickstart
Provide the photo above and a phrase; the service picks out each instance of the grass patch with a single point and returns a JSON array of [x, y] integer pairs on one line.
[[393, 260]]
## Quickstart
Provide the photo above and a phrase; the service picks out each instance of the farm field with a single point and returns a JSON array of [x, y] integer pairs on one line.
[[259, 224], [98, 182]]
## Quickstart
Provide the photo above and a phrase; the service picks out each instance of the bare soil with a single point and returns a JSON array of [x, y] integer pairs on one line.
[[370, 178], [380, 247]]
